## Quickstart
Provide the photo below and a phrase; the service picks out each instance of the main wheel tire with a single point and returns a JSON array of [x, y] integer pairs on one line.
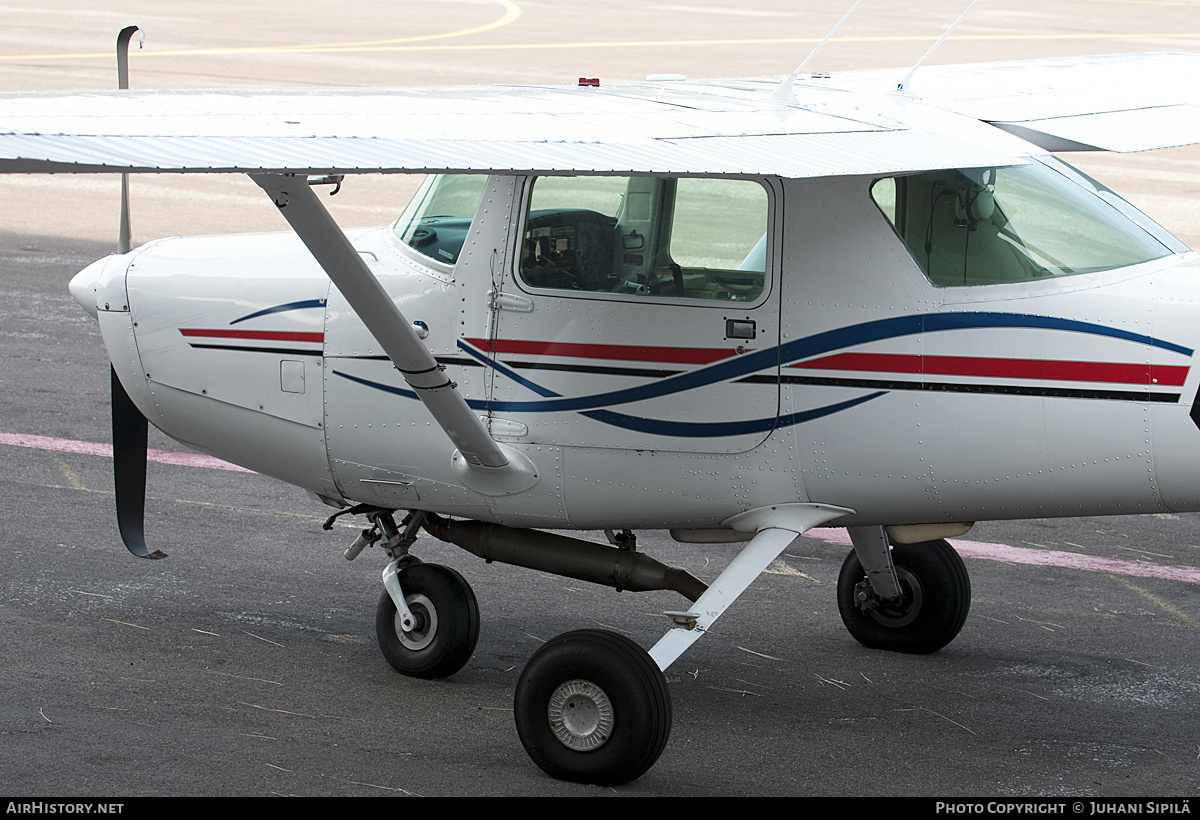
[[936, 597], [593, 707], [447, 623]]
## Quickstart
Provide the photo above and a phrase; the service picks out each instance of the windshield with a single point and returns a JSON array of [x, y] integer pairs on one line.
[[436, 221], [981, 226]]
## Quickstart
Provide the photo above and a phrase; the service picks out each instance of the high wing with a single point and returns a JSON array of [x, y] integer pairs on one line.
[[1125, 102], [846, 124], [671, 128]]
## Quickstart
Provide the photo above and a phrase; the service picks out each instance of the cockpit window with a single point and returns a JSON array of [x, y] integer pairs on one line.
[[647, 236], [983, 226], [436, 221]]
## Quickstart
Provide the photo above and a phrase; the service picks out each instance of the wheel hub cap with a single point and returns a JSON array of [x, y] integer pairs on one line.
[[581, 715], [904, 610], [425, 623]]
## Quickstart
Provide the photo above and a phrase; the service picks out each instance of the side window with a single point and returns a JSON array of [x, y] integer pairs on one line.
[[985, 226], [436, 221], [647, 236]]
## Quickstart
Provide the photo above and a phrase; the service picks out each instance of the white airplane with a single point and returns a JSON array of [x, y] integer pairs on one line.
[[736, 310]]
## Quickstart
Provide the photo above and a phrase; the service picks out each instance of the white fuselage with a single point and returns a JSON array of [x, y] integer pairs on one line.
[[859, 382]]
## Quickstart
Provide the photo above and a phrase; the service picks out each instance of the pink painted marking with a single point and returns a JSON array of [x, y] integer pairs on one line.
[[967, 549], [1045, 558], [64, 445]]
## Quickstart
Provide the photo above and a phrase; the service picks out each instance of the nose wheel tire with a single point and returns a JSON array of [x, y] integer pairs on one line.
[[593, 707], [933, 606], [446, 623]]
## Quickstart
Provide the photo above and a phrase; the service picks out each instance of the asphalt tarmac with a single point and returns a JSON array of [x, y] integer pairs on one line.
[[245, 663]]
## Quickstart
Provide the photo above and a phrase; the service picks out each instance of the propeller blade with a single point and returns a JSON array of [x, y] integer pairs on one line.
[[129, 470]]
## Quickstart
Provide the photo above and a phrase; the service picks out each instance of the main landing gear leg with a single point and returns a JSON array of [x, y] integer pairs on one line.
[[907, 597], [592, 706], [775, 528], [874, 553]]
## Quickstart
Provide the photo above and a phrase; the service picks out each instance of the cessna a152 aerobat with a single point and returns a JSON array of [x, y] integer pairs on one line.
[[734, 309]]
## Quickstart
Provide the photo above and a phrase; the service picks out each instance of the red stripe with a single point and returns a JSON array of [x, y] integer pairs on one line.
[[271, 335], [1114, 372], [629, 353]]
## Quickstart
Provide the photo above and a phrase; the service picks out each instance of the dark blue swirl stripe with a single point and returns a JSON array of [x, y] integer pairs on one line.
[[597, 406], [307, 303], [798, 349], [719, 429], [386, 388], [659, 427]]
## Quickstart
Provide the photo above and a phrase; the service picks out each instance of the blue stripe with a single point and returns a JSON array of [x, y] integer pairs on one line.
[[386, 388], [798, 349], [658, 427], [678, 429], [595, 406], [720, 429], [504, 370], [308, 303], [957, 321]]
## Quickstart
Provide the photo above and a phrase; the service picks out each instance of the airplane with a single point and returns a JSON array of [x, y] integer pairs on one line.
[[735, 310]]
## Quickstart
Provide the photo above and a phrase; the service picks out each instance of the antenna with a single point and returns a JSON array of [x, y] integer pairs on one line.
[[123, 236], [784, 92], [902, 86]]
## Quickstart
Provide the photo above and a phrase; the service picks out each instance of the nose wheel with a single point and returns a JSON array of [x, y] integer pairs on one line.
[[444, 628], [931, 609], [593, 707]]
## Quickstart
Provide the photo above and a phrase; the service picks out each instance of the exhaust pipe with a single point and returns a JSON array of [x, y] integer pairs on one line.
[[561, 555]]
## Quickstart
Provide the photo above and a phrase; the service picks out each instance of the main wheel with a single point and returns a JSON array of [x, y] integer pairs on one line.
[[447, 623], [935, 599], [591, 706]]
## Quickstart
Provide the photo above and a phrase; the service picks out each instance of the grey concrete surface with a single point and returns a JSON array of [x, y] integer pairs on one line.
[[245, 663]]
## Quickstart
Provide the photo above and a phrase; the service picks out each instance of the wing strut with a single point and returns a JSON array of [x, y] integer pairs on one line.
[[481, 463]]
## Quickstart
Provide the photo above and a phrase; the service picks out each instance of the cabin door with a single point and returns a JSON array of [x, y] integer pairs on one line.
[[637, 313]]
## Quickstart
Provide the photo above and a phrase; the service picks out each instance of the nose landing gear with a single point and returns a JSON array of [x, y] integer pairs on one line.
[[439, 639], [427, 621]]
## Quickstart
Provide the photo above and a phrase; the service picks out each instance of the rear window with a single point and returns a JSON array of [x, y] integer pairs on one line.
[[982, 226]]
